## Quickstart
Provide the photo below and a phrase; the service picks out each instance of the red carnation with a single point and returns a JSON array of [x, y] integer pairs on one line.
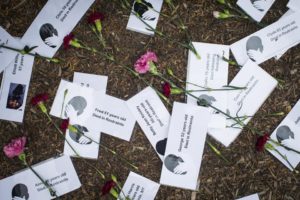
[[39, 98], [93, 17], [64, 125], [67, 40], [167, 89], [261, 141], [107, 187]]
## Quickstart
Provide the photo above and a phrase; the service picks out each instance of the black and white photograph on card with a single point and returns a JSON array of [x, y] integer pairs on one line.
[[254, 48], [261, 5], [160, 146], [75, 107], [49, 35], [80, 135], [20, 192], [175, 164], [143, 9], [16, 96]]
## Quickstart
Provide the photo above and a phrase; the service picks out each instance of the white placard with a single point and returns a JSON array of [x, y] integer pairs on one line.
[[147, 11], [56, 19], [294, 5], [153, 118], [14, 88], [245, 102], [269, 41], [288, 134], [186, 139], [59, 172], [251, 197], [256, 9], [211, 71], [97, 82], [138, 187]]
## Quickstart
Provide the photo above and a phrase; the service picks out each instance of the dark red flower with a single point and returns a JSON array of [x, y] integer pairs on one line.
[[64, 125], [95, 16], [39, 98], [107, 187], [261, 141], [67, 40], [166, 89]]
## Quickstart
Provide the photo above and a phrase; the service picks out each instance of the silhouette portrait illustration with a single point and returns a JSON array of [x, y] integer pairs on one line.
[[254, 48], [175, 164], [205, 100], [143, 9], [75, 107], [79, 135], [20, 192], [161, 146], [15, 96], [49, 35], [286, 137], [260, 5]]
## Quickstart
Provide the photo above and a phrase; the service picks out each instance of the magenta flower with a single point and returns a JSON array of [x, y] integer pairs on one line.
[[15, 147], [143, 64]]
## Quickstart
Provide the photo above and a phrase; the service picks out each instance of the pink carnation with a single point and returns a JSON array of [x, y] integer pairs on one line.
[[142, 64], [15, 147]]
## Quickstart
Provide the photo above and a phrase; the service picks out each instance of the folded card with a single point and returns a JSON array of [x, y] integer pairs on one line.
[[211, 71], [251, 197], [267, 42], [256, 9], [58, 172], [148, 11], [97, 82], [14, 88], [245, 103], [6, 55], [53, 23], [288, 134], [153, 118], [186, 139], [138, 187]]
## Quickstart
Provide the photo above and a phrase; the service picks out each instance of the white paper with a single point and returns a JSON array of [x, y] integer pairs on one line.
[[245, 102], [211, 71], [59, 172], [153, 118], [14, 88], [147, 14], [56, 19], [251, 197], [186, 139], [138, 187], [288, 134], [267, 42], [294, 5], [7, 56], [256, 9], [97, 82]]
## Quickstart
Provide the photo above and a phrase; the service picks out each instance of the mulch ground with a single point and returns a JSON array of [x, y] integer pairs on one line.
[[248, 171]]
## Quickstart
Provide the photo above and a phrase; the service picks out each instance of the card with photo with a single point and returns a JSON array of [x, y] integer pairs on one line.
[[148, 11], [245, 103], [256, 9], [186, 140], [97, 82], [14, 88], [251, 197], [288, 134], [153, 118], [211, 71], [56, 19], [138, 187], [58, 172], [269, 41]]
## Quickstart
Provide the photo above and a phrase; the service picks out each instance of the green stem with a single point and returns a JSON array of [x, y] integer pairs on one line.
[[216, 151], [285, 158]]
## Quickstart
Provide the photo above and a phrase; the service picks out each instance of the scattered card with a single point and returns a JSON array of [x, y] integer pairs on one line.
[[251, 197], [59, 172], [53, 23], [246, 102], [138, 187], [256, 9], [288, 134], [186, 139], [97, 82], [211, 71], [269, 41], [153, 118], [148, 10]]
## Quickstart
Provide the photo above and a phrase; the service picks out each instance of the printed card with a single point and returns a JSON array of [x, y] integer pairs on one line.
[[211, 71], [294, 5], [138, 187], [288, 134], [7, 56], [58, 172], [53, 23], [245, 103], [267, 42], [186, 139], [251, 197], [256, 9], [96, 82], [153, 118], [14, 88], [148, 10]]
